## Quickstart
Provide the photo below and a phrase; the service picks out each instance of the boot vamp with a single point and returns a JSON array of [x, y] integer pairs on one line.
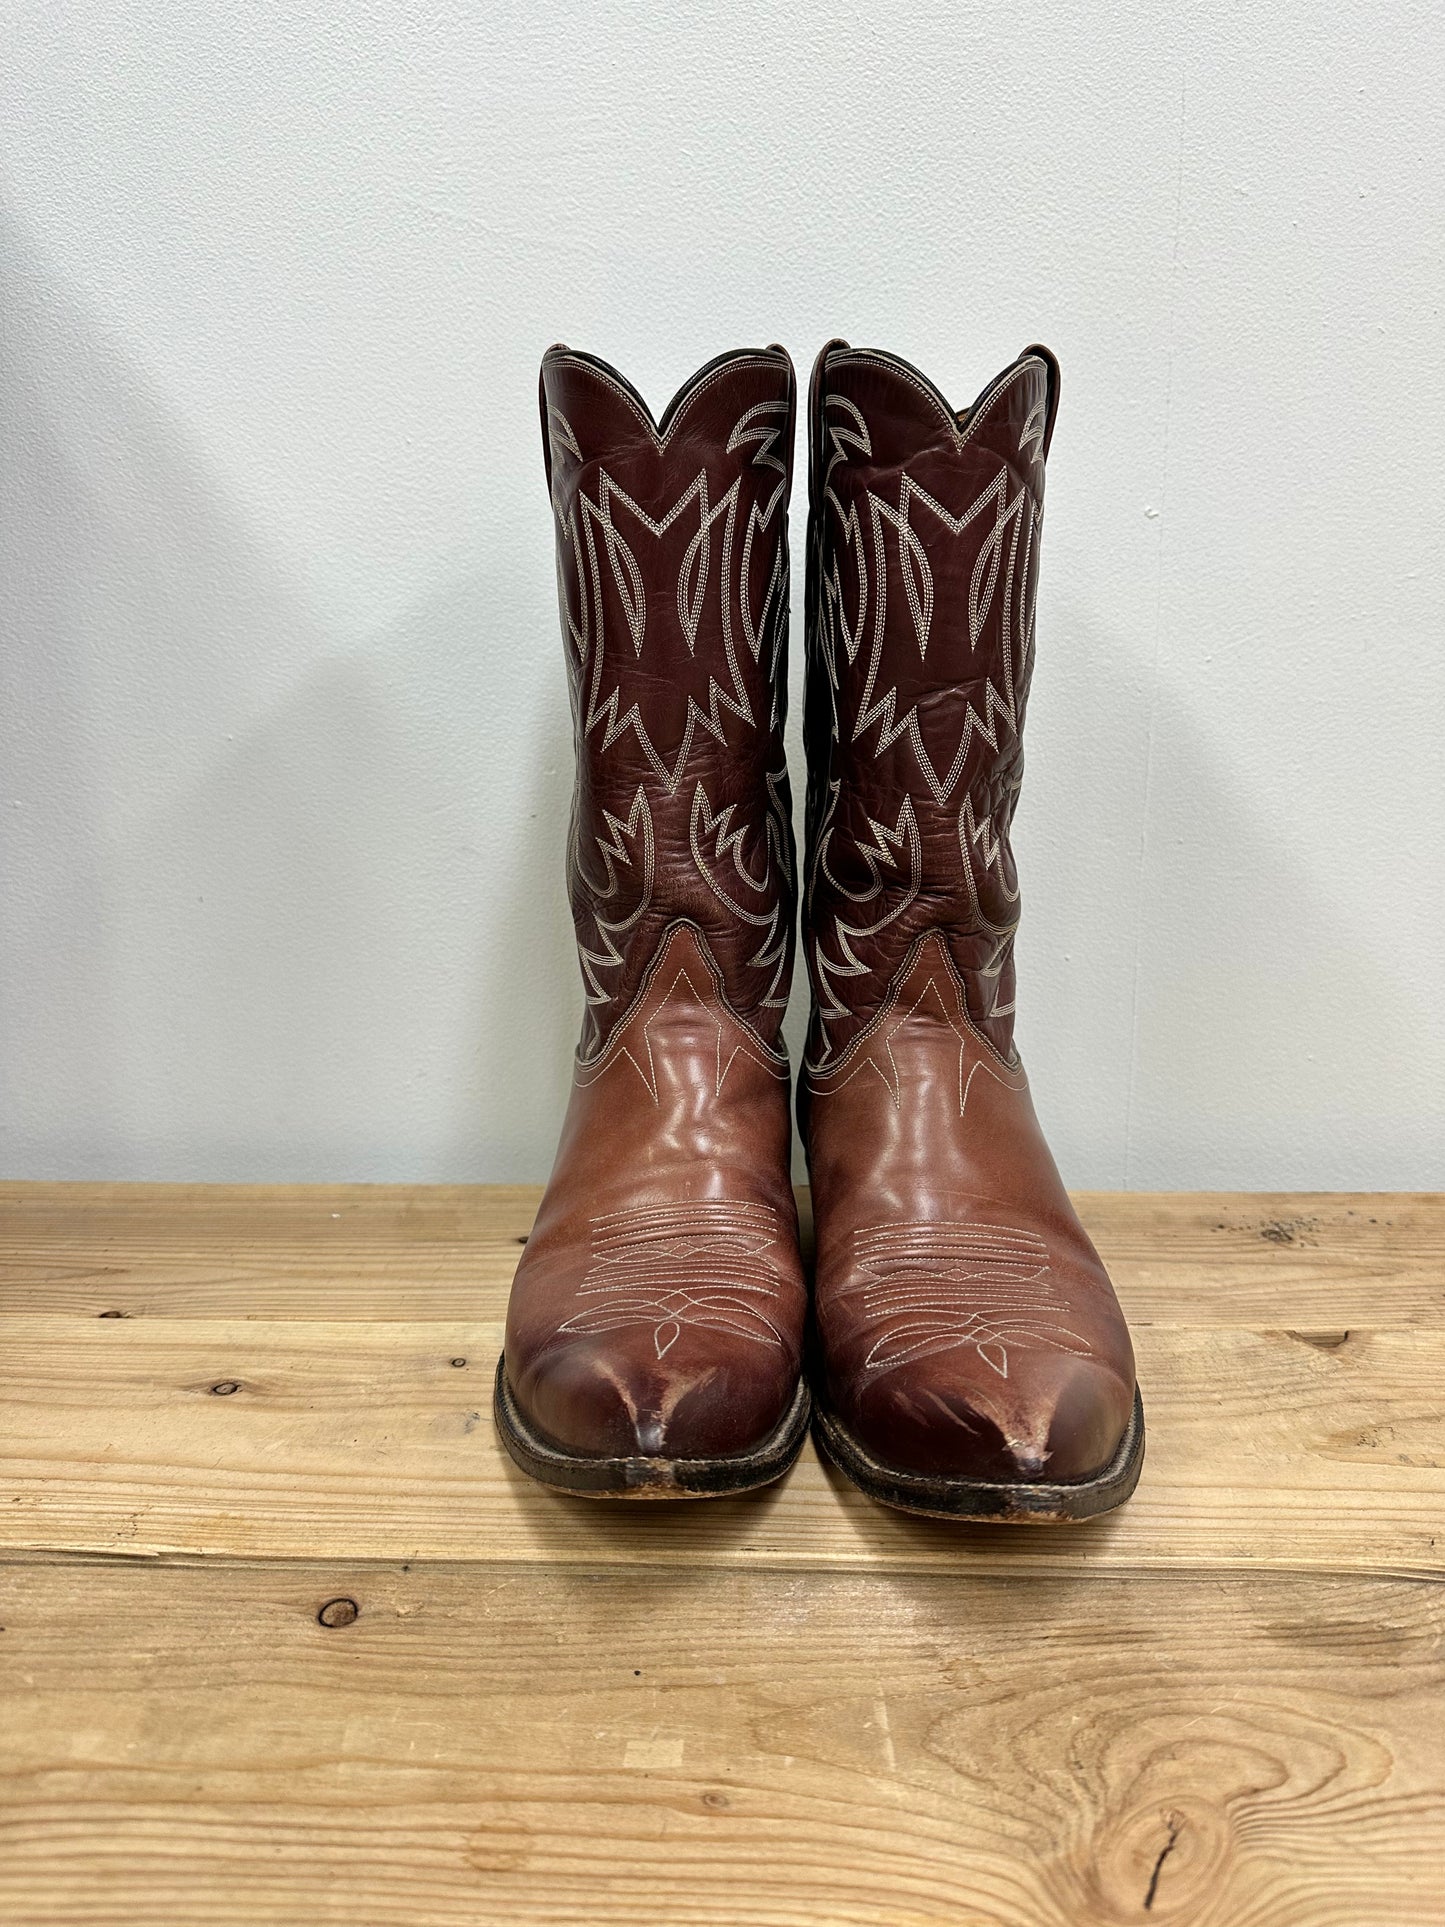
[[967, 1325]]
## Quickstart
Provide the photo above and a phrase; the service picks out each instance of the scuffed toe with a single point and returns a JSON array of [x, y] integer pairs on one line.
[[617, 1402], [1053, 1420]]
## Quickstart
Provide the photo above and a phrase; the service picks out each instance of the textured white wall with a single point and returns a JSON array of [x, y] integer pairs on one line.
[[285, 756]]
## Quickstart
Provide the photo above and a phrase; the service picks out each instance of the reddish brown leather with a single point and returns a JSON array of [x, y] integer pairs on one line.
[[658, 1308], [967, 1327]]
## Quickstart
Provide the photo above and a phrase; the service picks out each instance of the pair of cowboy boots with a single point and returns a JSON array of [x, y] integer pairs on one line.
[[965, 1349]]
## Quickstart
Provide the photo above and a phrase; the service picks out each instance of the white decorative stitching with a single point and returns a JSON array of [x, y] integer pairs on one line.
[[1032, 433], [978, 833], [592, 536], [727, 843], [824, 1078], [691, 586], [1000, 579], [613, 850], [679, 1266], [885, 849], [711, 1000], [876, 358], [918, 580], [929, 1287]]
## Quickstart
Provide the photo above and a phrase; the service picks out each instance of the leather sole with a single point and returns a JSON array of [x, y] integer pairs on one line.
[[646, 1478], [988, 1501]]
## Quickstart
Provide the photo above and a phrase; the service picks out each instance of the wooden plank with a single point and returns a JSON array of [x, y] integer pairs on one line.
[[447, 1252], [797, 1707], [520, 1745], [303, 1251], [1266, 1449]]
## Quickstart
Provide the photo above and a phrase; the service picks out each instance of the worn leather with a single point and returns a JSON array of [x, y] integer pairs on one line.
[[659, 1305], [966, 1325]]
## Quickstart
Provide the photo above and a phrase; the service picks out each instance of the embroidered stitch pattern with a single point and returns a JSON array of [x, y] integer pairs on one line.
[[1003, 557], [662, 658], [635, 1041], [871, 544], [727, 845], [889, 851], [941, 1287], [681, 1266], [603, 559], [624, 841], [989, 836], [928, 990]]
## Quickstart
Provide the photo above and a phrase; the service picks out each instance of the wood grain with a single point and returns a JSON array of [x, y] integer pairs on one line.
[[447, 1252], [221, 1409], [1265, 1448], [536, 1745]]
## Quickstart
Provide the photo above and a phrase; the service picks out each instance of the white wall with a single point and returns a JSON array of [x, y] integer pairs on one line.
[[285, 762]]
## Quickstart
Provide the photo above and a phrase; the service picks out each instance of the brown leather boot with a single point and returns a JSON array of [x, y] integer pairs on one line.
[[974, 1361], [654, 1334]]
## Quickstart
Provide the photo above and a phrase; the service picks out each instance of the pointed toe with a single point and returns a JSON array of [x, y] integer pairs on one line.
[[610, 1425], [1045, 1423], [1077, 1424], [617, 1401]]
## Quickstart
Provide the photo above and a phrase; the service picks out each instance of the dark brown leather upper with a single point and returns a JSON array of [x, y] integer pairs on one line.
[[672, 566], [967, 1326], [658, 1308]]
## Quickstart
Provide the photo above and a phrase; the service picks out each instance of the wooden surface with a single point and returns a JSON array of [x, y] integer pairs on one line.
[[287, 1639]]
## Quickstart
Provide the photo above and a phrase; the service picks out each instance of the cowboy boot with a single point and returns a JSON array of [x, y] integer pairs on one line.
[[654, 1334], [974, 1361]]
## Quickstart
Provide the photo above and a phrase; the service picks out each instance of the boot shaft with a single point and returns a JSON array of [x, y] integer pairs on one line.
[[922, 571], [672, 563]]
